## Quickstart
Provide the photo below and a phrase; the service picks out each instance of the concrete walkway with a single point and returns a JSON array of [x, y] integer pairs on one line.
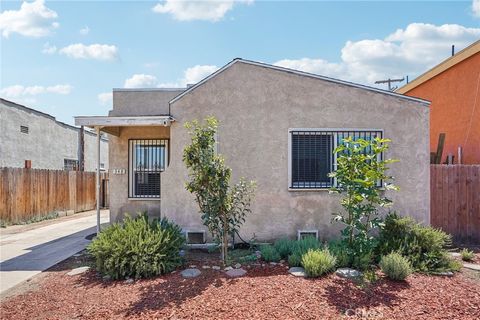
[[26, 251]]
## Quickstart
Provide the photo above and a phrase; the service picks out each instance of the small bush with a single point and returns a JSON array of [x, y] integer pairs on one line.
[[318, 262], [424, 246], [295, 260], [467, 255], [395, 266], [138, 248], [284, 247], [269, 253]]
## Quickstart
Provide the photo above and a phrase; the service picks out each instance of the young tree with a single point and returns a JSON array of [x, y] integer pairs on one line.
[[223, 207], [359, 170]]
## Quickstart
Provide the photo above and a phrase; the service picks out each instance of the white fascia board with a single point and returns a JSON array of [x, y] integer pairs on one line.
[[102, 121]]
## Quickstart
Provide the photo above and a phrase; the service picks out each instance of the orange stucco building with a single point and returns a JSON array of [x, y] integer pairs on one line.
[[453, 87]]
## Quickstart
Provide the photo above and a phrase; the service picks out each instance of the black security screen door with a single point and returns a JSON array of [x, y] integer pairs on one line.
[[311, 159], [147, 161]]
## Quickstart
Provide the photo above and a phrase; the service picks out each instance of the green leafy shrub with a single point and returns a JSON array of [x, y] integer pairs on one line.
[[467, 255], [318, 262], [284, 247], [424, 246], [138, 248], [395, 266], [295, 260], [269, 253]]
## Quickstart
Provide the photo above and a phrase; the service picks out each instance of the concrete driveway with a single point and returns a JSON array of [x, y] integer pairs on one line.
[[28, 250]]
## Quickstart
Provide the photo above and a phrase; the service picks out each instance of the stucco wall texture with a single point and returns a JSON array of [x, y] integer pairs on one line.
[[47, 143], [453, 94], [256, 106]]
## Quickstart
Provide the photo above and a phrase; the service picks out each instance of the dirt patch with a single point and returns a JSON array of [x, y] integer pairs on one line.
[[265, 292]]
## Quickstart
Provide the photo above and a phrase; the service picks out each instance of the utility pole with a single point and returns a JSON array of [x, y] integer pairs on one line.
[[389, 81]]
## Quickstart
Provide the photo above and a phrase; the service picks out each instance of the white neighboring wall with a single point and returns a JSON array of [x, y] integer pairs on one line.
[[47, 143]]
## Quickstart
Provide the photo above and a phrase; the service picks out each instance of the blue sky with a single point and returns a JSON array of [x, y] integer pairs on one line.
[[64, 58]]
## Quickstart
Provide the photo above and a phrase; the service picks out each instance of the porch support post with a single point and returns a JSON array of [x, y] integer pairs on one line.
[[97, 129]]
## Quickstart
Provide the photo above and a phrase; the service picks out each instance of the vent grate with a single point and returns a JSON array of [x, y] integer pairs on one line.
[[24, 129]]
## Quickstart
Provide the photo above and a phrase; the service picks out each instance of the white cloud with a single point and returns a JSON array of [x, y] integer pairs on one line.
[[408, 51], [105, 98], [49, 49], [476, 8], [18, 91], [191, 75], [210, 10], [141, 81], [33, 19], [94, 51], [84, 31]]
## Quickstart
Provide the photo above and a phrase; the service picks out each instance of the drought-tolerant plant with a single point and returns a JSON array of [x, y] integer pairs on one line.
[[138, 248], [424, 246], [284, 247], [318, 262], [360, 168], [223, 207], [299, 248], [395, 266], [467, 255], [269, 253], [295, 260]]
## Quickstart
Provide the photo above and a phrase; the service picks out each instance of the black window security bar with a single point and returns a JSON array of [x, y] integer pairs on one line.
[[147, 159], [312, 155]]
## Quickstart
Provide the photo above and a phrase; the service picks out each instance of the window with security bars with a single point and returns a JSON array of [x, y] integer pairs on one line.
[[70, 164], [312, 157], [147, 159]]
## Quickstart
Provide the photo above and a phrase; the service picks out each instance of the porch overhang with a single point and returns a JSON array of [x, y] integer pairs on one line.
[[112, 125]]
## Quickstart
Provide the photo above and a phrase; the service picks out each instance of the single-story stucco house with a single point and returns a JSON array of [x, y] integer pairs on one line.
[[277, 126]]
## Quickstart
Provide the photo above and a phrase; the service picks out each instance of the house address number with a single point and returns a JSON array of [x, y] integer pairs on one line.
[[119, 171]]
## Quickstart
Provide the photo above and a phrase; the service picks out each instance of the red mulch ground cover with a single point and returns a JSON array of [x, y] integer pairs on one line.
[[266, 292]]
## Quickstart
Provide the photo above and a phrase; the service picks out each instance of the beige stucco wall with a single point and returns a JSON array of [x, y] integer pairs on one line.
[[256, 106], [141, 102]]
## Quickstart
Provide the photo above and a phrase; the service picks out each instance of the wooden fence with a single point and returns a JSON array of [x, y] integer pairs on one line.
[[455, 201], [26, 193]]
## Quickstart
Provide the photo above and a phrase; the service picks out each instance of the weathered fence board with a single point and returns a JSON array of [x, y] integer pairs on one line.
[[455, 200], [26, 193]]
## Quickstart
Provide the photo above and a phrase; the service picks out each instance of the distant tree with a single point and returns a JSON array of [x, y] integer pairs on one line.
[[223, 207]]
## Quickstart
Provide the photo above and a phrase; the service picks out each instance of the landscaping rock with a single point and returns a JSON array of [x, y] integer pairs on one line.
[[235, 273], [190, 273], [106, 278], [216, 268], [79, 270], [443, 274], [206, 267], [237, 266], [472, 266], [273, 263], [348, 273], [282, 261], [455, 254], [258, 254], [297, 272], [192, 266], [228, 268], [129, 281]]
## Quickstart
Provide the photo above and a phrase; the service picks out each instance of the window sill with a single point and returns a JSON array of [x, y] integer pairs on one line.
[[309, 189], [143, 199]]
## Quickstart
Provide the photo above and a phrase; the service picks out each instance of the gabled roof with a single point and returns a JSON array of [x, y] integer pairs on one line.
[[466, 53], [297, 72]]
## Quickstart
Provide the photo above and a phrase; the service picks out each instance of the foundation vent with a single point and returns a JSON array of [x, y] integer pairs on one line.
[[195, 237], [302, 234]]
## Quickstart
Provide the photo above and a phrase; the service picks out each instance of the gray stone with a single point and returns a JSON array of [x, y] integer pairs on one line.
[[237, 266], [192, 266], [348, 273], [472, 266], [235, 273], [181, 253], [443, 274], [79, 270], [258, 254], [297, 272], [455, 254], [228, 268], [216, 268], [130, 280], [106, 278], [206, 267], [282, 261], [273, 263], [190, 273]]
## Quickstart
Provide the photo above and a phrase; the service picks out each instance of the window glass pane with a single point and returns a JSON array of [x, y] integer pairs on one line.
[[311, 159]]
